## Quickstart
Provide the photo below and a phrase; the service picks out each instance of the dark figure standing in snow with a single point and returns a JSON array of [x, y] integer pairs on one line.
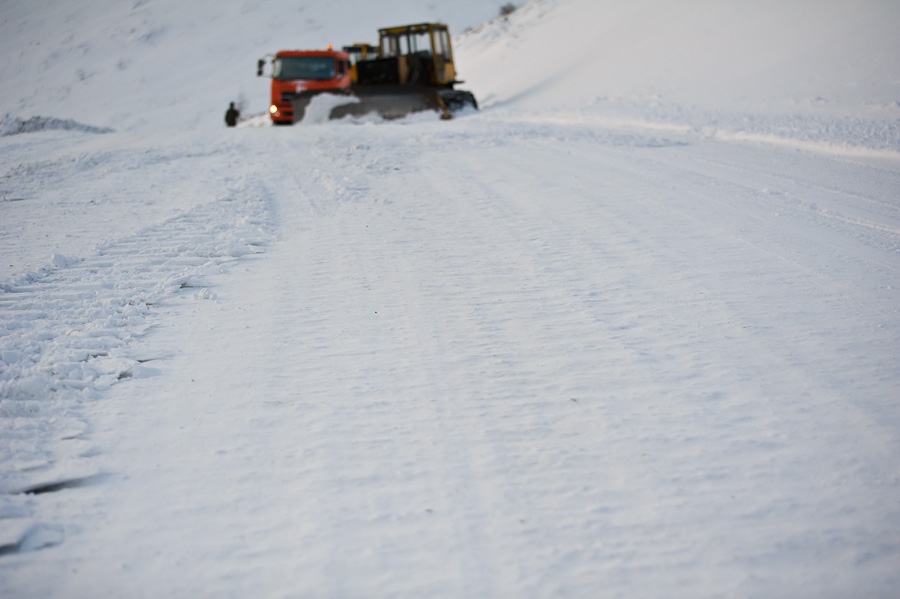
[[231, 115]]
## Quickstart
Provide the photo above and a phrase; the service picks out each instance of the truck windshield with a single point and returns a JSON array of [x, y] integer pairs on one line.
[[315, 68]]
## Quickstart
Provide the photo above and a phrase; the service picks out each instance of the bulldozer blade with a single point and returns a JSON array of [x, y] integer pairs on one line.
[[390, 102]]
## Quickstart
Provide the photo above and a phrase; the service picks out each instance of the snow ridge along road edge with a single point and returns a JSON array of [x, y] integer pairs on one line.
[[69, 333]]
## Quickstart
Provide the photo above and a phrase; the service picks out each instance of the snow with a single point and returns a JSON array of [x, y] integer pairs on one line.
[[629, 330], [768, 55]]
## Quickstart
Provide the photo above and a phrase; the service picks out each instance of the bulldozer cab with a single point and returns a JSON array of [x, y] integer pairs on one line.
[[425, 48], [411, 55]]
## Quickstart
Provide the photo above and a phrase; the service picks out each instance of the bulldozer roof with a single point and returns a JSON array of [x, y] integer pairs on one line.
[[416, 28]]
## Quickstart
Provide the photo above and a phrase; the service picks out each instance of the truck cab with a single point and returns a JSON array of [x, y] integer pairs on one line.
[[298, 74]]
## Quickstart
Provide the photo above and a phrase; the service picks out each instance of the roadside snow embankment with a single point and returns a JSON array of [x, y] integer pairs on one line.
[[69, 330]]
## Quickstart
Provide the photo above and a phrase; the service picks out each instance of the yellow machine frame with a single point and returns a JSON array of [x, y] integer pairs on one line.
[[403, 42]]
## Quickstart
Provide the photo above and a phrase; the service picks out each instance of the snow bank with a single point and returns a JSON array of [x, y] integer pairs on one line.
[[69, 330]]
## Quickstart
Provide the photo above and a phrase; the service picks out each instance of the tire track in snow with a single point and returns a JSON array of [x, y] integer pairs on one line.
[[472, 308], [870, 207], [715, 360], [73, 330]]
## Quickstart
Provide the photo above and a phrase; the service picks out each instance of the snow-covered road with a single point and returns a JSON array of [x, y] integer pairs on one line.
[[496, 357]]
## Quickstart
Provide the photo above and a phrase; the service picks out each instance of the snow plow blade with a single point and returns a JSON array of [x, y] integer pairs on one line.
[[390, 102]]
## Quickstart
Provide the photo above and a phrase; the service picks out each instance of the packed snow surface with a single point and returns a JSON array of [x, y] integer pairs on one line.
[[631, 330]]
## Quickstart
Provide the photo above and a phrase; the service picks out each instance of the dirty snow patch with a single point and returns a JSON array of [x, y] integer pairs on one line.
[[10, 125]]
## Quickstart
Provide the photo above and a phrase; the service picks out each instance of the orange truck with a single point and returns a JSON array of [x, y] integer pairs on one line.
[[298, 75]]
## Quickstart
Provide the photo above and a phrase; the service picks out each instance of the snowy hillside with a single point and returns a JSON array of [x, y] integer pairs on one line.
[[781, 55], [825, 73], [630, 330]]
